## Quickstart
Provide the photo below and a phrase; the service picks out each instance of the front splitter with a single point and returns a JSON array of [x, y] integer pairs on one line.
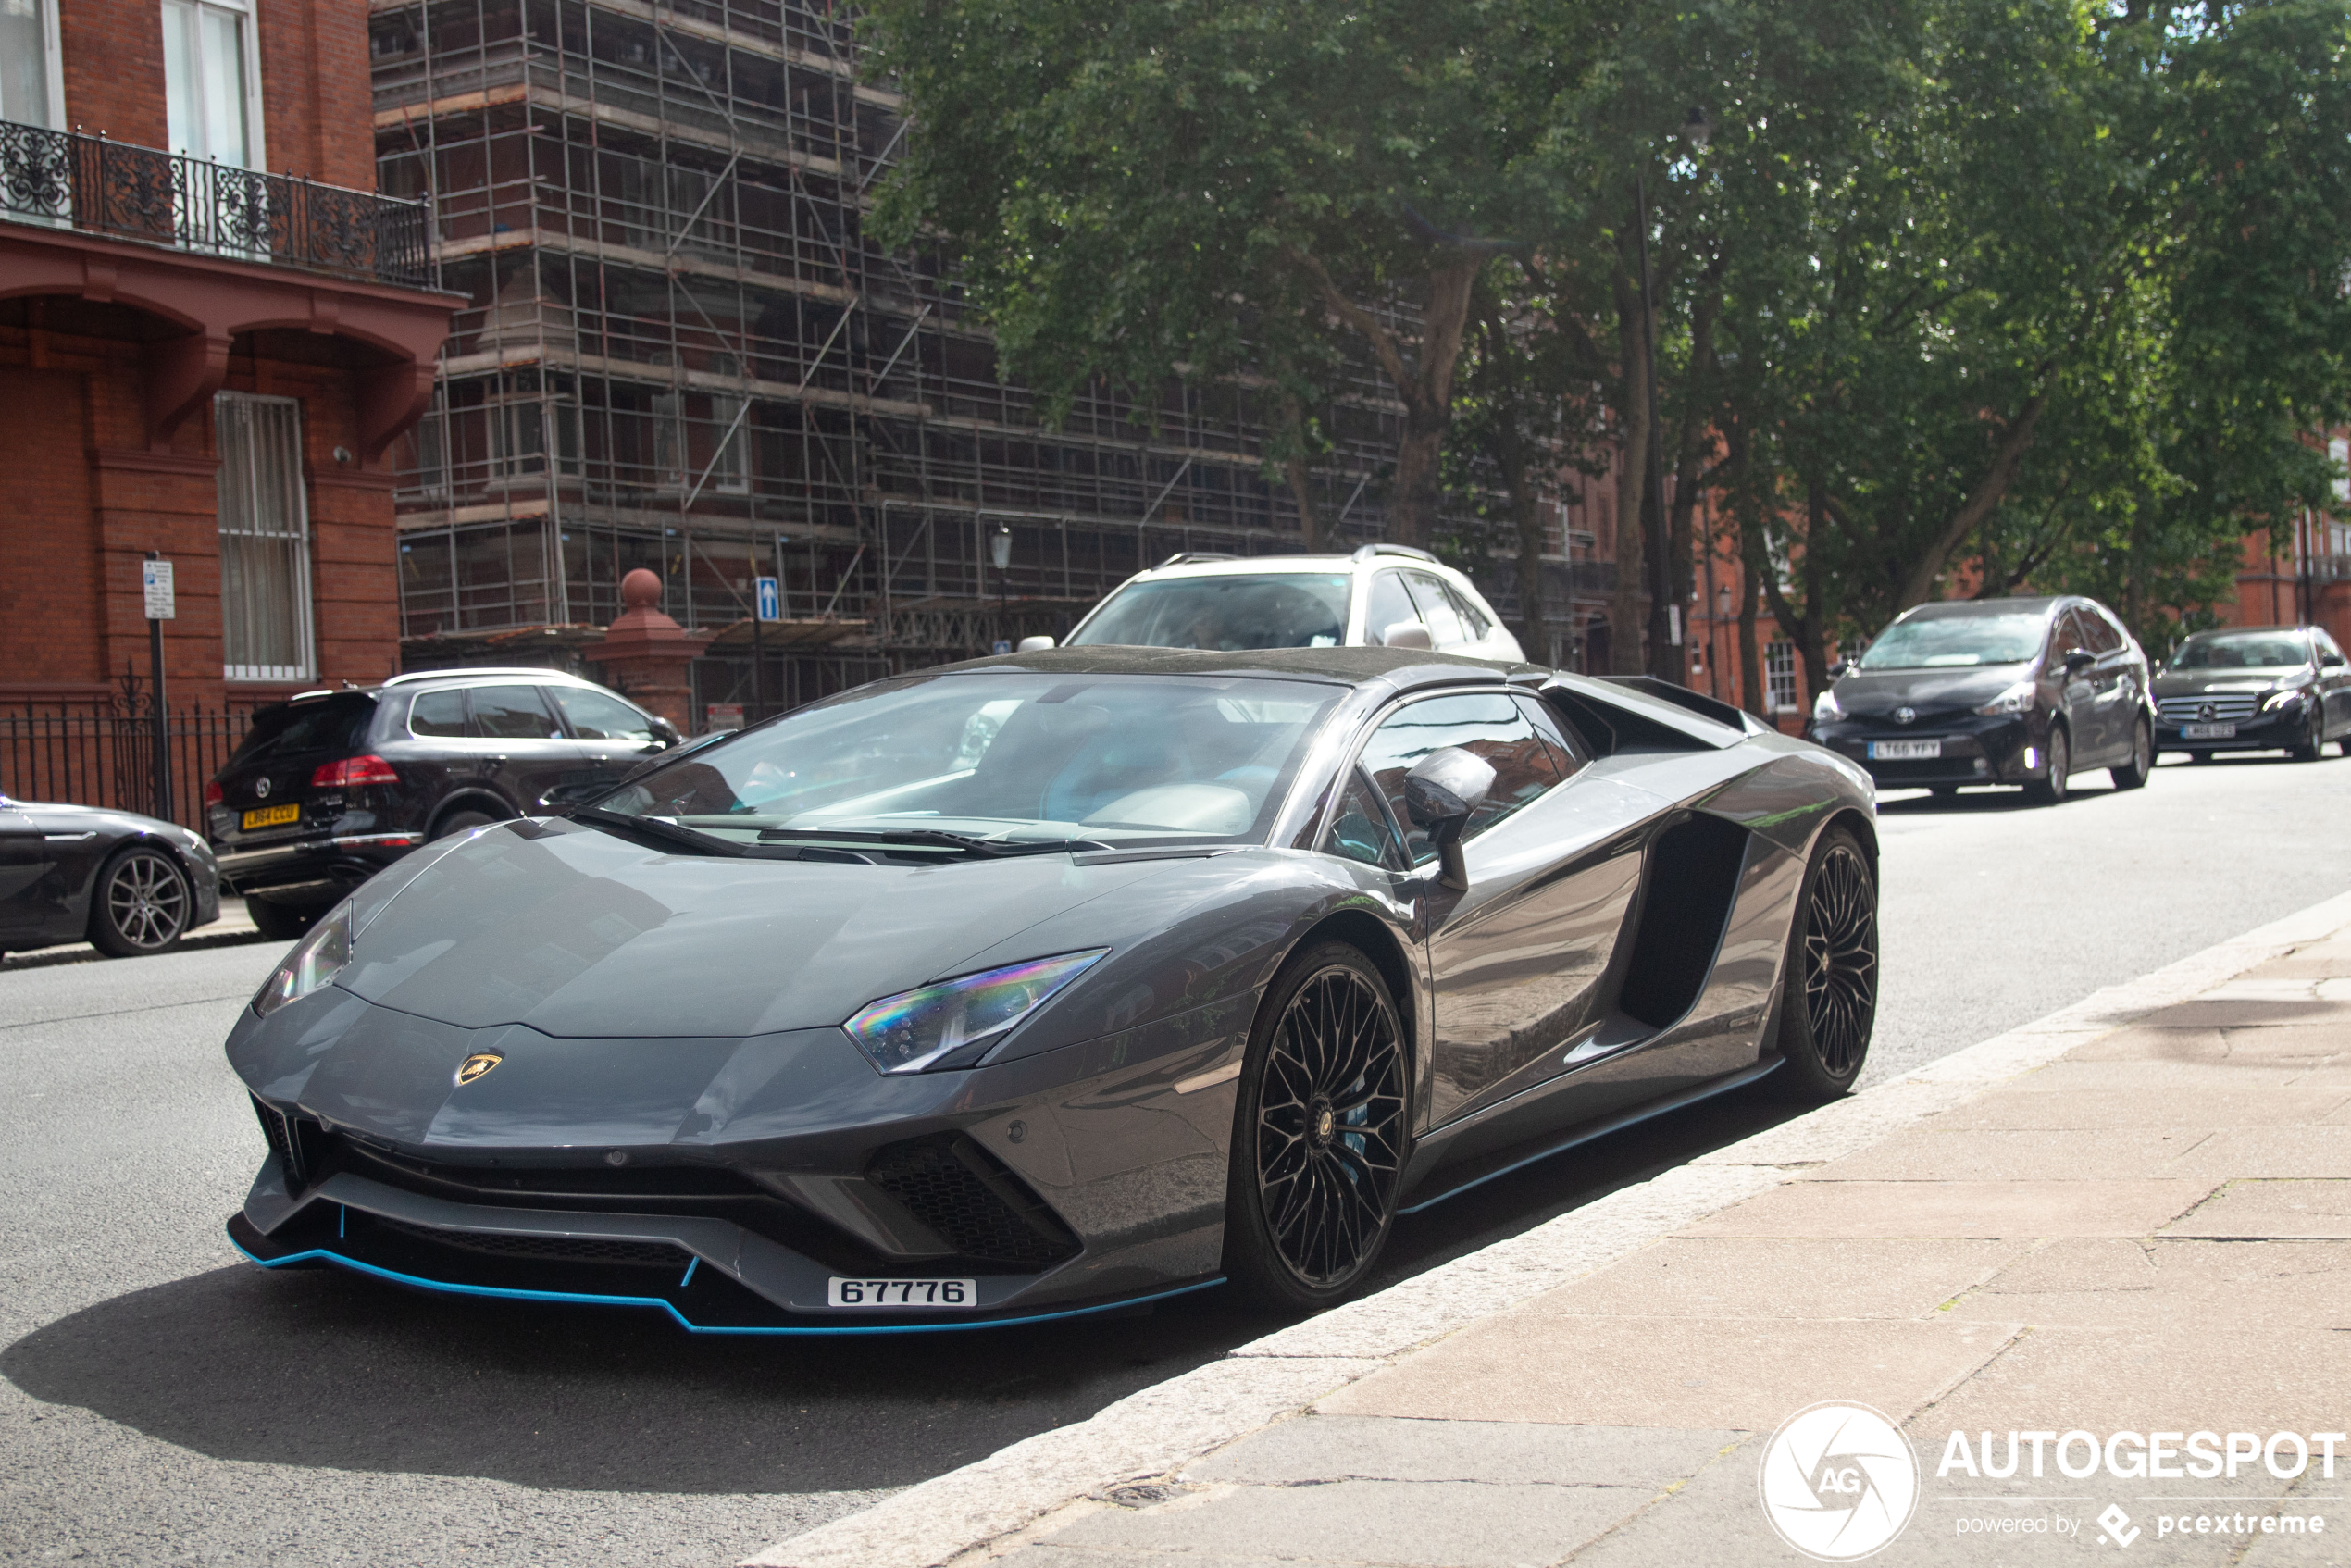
[[698, 1300]]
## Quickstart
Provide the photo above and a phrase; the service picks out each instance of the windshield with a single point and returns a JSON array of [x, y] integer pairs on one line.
[[2242, 649], [1955, 642], [1003, 759], [1228, 614], [337, 724]]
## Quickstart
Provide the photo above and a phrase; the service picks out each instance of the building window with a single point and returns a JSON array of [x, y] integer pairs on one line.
[[211, 82], [265, 539], [1779, 676], [30, 89]]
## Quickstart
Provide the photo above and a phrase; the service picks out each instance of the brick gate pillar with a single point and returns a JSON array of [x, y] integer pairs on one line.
[[646, 653]]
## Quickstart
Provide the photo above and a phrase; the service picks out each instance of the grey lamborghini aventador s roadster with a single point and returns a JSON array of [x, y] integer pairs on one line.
[[1055, 982]]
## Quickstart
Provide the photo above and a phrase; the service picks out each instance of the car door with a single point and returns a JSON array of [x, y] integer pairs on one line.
[[2334, 683], [1515, 962], [518, 741], [25, 857], [2078, 690], [608, 737], [2112, 677]]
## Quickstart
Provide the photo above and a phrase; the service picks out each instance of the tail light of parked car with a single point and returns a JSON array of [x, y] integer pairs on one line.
[[354, 771], [212, 794]]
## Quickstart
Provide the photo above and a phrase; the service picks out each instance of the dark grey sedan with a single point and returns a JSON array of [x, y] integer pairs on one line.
[[1053, 982], [2255, 689], [127, 884]]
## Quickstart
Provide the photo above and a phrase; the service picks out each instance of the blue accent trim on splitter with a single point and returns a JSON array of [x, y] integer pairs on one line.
[[692, 1264], [343, 1220], [1615, 1124], [577, 1298]]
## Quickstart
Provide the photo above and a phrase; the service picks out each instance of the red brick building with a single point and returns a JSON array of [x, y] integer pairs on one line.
[[199, 357]]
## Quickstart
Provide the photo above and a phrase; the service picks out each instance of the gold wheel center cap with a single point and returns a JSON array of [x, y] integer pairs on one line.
[[1325, 1125]]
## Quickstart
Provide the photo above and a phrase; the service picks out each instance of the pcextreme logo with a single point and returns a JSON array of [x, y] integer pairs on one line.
[[1838, 1482]]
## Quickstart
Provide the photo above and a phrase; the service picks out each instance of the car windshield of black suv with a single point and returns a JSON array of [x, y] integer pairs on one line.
[[992, 763], [2241, 650], [1229, 614], [1955, 642]]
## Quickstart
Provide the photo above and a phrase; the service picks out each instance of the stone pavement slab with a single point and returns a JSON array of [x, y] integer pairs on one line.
[[1347, 1448], [2134, 1284], [1818, 1209], [1768, 1277], [2251, 1209]]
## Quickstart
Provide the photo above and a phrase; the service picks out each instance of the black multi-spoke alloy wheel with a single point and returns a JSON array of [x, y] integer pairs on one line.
[[2051, 792], [142, 904], [1319, 1135], [2133, 774], [1828, 990]]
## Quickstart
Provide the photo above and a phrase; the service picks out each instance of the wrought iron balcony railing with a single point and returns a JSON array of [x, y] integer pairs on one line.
[[68, 180]]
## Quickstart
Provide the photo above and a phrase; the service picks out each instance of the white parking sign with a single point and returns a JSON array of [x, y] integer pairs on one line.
[[155, 579]]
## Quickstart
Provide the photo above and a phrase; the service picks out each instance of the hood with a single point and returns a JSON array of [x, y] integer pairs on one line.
[[574, 932], [1871, 692], [2196, 682]]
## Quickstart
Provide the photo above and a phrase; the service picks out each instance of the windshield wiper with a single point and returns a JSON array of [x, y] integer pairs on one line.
[[669, 834], [986, 849]]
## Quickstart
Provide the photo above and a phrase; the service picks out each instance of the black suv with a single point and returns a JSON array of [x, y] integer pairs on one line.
[[330, 787]]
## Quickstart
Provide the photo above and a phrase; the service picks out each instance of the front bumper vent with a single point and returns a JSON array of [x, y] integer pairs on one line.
[[972, 1201], [543, 1249], [300, 1144]]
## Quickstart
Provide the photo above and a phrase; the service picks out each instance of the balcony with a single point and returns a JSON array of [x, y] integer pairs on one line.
[[65, 180]]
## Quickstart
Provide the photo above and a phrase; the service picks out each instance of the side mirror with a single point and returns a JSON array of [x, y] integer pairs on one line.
[[2330, 661], [562, 797], [2079, 659], [1440, 792], [664, 733], [1035, 644], [1836, 671], [1407, 634]]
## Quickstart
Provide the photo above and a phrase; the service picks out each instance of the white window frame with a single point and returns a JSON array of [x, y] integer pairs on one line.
[[1779, 676], [256, 143], [297, 491], [53, 71]]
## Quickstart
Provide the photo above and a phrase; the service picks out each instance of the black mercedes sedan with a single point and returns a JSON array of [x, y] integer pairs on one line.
[[329, 788], [2255, 689], [129, 884], [1054, 982], [1994, 691]]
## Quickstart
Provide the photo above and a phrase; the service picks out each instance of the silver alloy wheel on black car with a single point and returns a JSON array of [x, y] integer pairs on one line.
[[2133, 774], [1320, 1135], [1828, 992], [141, 904], [2051, 792]]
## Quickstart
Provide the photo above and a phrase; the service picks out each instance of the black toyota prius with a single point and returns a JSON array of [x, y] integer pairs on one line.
[[1994, 691]]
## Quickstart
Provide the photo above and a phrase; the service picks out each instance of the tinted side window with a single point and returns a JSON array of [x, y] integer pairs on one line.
[[1473, 620], [512, 713], [1568, 754], [2101, 637], [1361, 831], [595, 717], [2326, 644], [1386, 604], [438, 712], [1437, 608], [1490, 725]]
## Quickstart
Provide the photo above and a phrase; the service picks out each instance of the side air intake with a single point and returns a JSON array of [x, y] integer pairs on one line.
[[968, 1198], [1686, 902], [299, 1143]]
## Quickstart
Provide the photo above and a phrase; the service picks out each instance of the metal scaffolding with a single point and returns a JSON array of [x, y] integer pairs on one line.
[[682, 353]]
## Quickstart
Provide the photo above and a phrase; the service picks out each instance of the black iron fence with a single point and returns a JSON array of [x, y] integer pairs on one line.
[[104, 754], [102, 187]]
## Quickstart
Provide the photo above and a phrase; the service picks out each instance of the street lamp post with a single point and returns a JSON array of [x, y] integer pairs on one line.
[[1000, 550], [1664, 606]]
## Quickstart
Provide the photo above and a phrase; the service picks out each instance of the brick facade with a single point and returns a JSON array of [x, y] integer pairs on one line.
[[111, 353]]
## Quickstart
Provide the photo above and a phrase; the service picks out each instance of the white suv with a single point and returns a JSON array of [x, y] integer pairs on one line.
[[1382, 595]]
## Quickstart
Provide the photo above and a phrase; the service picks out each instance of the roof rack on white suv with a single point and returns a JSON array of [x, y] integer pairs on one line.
[[1192, 557], [467, 672], [1369, 550]]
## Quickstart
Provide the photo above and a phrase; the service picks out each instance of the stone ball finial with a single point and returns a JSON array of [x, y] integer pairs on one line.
[[639, 589]]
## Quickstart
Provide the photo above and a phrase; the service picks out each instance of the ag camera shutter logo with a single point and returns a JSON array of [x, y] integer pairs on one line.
[[1838, 1482]]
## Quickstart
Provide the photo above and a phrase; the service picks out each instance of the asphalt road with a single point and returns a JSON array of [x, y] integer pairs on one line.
[[163, 1403]]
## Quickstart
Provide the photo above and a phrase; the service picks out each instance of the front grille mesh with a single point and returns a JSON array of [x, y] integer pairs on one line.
[[971, 1201], [544, 1249], [2227, 708], [299, 1143]]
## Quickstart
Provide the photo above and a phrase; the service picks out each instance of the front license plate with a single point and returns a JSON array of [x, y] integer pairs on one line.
[[1904, 751], [2208, 731], [272, 817], [895, 1293]]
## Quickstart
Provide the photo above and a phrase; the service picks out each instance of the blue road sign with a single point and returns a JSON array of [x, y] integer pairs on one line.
[[771, 601]]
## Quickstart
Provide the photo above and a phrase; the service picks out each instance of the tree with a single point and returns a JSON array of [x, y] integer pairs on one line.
[[1139, 192]]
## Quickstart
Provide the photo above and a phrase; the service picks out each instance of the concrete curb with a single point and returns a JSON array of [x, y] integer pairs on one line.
[[1160, 1428]]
